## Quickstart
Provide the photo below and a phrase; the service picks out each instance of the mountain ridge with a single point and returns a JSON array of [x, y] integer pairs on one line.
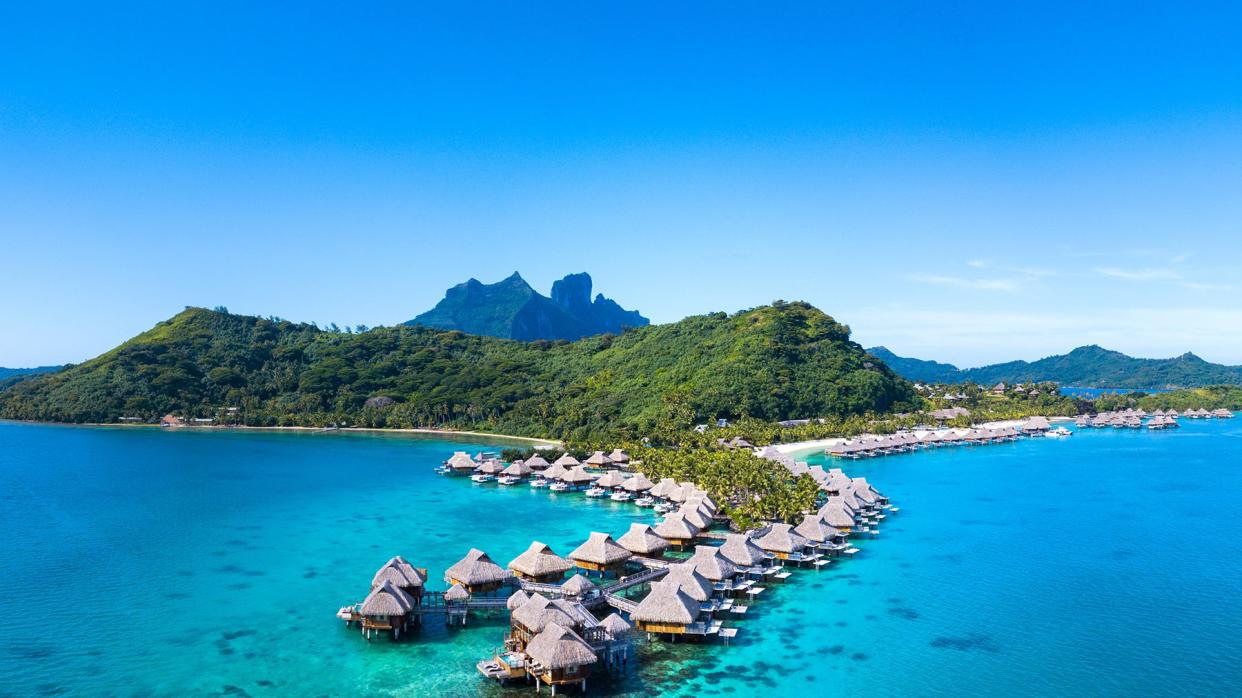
[[512, 309], [1088, 366]]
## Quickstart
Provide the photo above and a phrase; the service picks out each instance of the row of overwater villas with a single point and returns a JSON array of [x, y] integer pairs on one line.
[[554, 637], [904, 442], [485, 466], [1129, 419]]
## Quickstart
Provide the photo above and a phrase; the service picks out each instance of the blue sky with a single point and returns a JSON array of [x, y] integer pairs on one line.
[[970, 184]]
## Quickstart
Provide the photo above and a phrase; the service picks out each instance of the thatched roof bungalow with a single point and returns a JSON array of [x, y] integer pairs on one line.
[[638, 483], [782, 541], [817, 531], [476, 572], [616, 626], [600, 553], [695, 585], [696, 516], [599, 459], [739, 549], [578, 476], [556, 471], [402, 575], [559, 656], [578, 586], [517, 469], [566, 461], [539, 564], [516, 600], [837, 515], [461, 462], [641, 540], [611, 479], [537, 462], [709, 562], [663, 489], [386, 608], [676, 529], [619, 457], [456, 594], [667, 609]]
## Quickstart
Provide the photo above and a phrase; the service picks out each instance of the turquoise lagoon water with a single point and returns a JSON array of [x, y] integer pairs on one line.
[[141, 562]]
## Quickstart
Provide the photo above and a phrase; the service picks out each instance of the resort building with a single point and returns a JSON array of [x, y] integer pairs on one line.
[[600, 553], [540, 564], [558, 656], [642, 540], [477, 573], [667, 609]]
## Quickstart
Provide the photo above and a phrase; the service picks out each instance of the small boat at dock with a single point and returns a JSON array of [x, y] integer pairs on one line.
[[596, 492]]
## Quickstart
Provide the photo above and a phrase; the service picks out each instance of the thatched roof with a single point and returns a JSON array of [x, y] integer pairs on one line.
[[638, 483], [619, 456], [837, 515], [517, 469], [402, 574], [600, 549], [781, 538], [641, 540], [556, 471], [675, 526], [866, 496], [741, 550], [703, 501], [515, 601], [558, 647], [539, 611], [694, 515], [815, 529], [537, 461], [476, 568], [599, 458], [491, 467], [683, 492], [694, 584], [456, 592], [616, 626], [578, 475], [666, 485], [578, 585], [613, 478], [667, 604], [387, 600], [539, 561], [708, 562], [566, 461], [461, 460]]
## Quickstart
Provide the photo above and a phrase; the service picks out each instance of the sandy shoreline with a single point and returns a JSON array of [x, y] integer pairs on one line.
[[537, 443], [804, 447]]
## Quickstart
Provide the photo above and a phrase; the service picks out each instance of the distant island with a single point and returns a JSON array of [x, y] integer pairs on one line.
[[1090, 366], [511, 309], [773, 362], [11, 372]]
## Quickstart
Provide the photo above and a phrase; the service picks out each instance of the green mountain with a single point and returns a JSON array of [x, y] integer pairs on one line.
[[781, 361], [11, 372], [511, 309], [1091, 366]]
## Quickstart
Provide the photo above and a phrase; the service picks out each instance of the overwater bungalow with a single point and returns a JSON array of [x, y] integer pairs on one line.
[[566, 461], [664, 488], [599, 459], [619, 457], [456, 594], [695, 585], [611, 480], [490, 467], [667, 609], [739, 549], [386, 609], [516, 599], [536, 613], [860, 484], [517, 469], [636, 484], [460, 463], [784, 542], [821, 534], [578, 477], [642, 540], [839, 516], [536, 462], [477, 573], [556, 471], [600, 553], [558, 656], [677, 530], [1222, 413], [715, 567], [578, 587], [540, 564], [403, 576], [618, 632], [695, 515]]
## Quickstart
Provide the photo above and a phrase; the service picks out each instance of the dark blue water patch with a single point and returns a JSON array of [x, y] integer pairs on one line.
[[30, 650], [239, 586], [859, 656], [265, 683], [835, 649], [50, 689], [231, 690], [1121, 554], [967, 643], [841, 624], [176, 595], [907, 613]]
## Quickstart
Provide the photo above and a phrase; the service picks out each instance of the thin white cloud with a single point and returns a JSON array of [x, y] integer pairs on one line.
[[1139, 274], [974, 284]]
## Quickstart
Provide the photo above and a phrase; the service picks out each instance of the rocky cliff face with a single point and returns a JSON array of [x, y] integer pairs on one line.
[[512, 309]]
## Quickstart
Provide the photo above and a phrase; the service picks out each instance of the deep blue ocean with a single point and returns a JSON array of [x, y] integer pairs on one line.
[[146, 562]]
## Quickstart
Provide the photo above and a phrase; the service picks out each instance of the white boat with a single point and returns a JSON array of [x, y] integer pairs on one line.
[[621, 496], [559, 487], [539, 482], [645, 501], [663, 508], [507, 480], [482, 477], [1060, 432], [596, 492]]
